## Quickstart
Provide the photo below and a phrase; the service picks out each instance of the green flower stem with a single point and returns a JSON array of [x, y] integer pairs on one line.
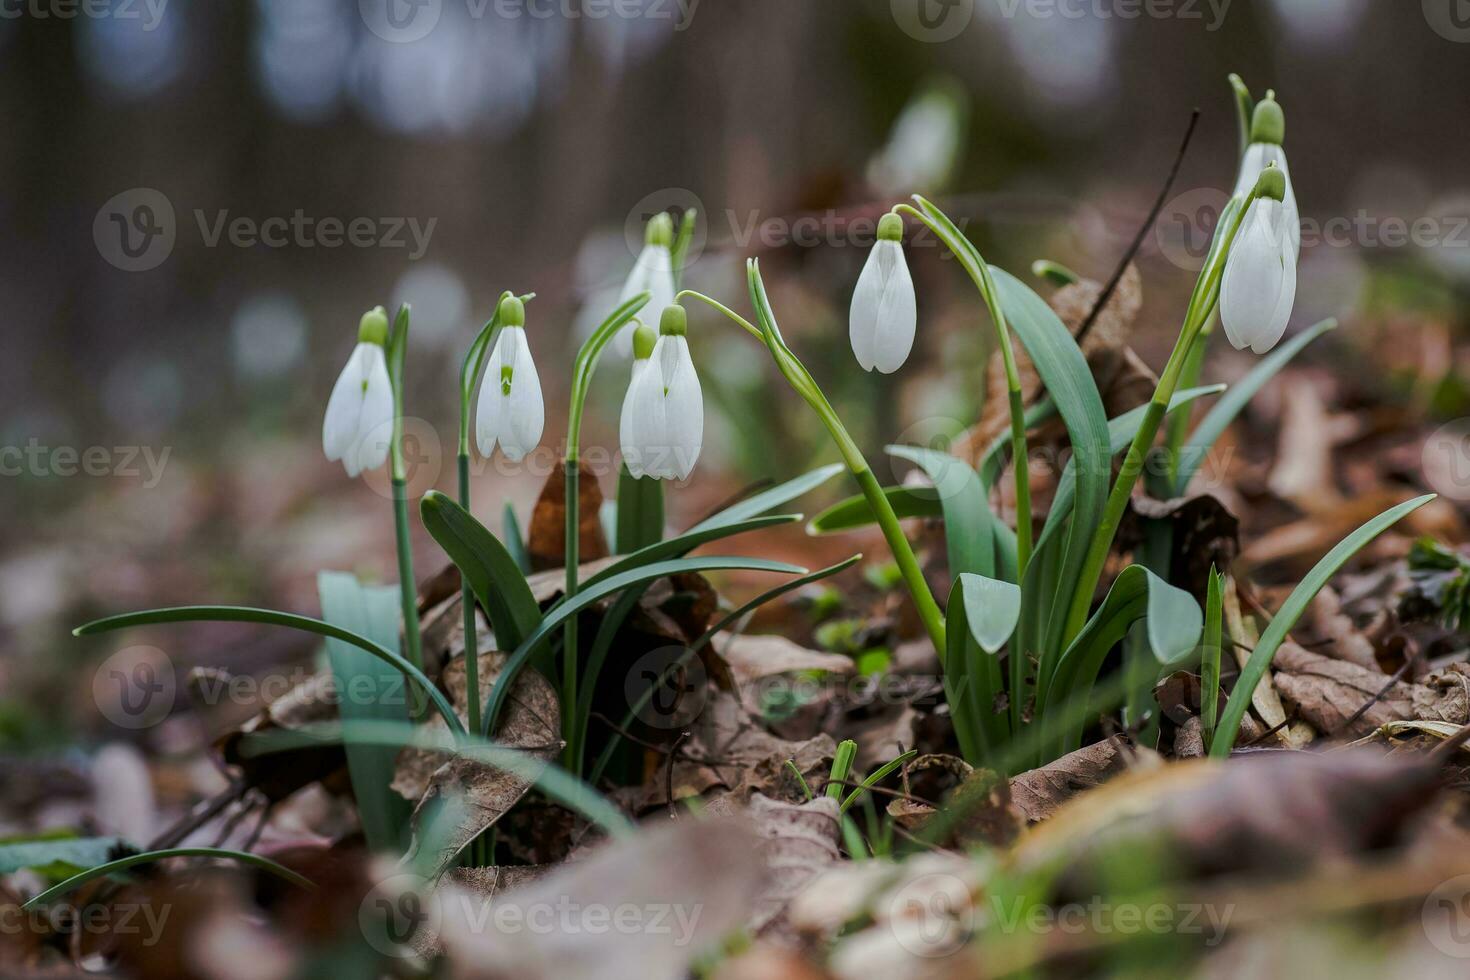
[[582, 370], [796, 374], [1201, 308], [407, 583], [467, 601], [969, 256]]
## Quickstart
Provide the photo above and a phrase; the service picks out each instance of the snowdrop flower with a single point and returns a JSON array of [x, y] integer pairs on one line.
[[641, 425], [883, 316], [662, 427], [1259, 287], [1268, 129], [510, 410], [653, 273], [359, 421]]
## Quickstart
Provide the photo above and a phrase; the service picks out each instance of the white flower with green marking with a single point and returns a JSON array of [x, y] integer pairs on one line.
[[662, 425], [884, 312], [358, 425], [1259, 286], [652, 273], [510, 411], [1268, 129]]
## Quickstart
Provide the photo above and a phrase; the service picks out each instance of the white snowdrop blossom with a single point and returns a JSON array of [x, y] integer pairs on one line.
[[884, 311], [1259, 286], [652, 273], [1268, 128], [358, 426], [510, 410], [662, 426]]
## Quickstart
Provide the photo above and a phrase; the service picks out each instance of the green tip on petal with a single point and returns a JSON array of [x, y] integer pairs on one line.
[[674, 322], [512, 312], [890, 228], [1271, 183], [1268, 122], [507, 374], [373, 328], [660, 230], [644, 337]]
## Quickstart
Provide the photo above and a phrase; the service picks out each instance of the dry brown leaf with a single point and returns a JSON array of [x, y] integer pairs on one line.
[[797, 842], [1325, 620], [1327, 692], [1038, 793], [1303, 473], [1243, 637], [546, 536]]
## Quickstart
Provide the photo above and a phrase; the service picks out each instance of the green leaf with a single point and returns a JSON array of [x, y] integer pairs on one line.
[[640, 512], [554, 782], [1192, 454], [54, 851], [1291, 610], [880, 774], [1173, 621], [992, 608], [972, 680], [685, 543], [594, 592], [370, 691], [769, 499], [855, 512], [515, 541], [490, 569], [122, 864], [269, 617], [1210, 655], [968, 524]]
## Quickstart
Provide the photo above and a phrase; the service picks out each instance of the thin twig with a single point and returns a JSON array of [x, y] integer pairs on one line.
[[1398, 675], [1143, 231]]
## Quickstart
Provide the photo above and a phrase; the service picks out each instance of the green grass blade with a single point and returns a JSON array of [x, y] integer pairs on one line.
[[1291, 610], [855, 512], [596, 591], [969, 532], [1192, 454], [680, 546], [1210, 656], [879, 774], [515, 539], [776, 496], [269, 617], [492, 571], [122, 864], [640, 512], [370, 691]]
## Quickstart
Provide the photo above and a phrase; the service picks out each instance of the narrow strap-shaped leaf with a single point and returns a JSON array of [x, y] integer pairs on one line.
[[683, 544], [491, 570], [269, 617], [1174, 623], [1210, 656], [968, 524], [515, 540], [855, 512], [376, 694], [596, 591], [972, 682], [1291, 610], [640, 512], [992, 609], [776, 496], [122, 864], [1192, 454], [879, 774]]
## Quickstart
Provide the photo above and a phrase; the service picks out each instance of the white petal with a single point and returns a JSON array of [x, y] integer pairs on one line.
[[344, 407], [652, 273], [1270, 337], [644, 437], [1255, 275], [862, 317], [1257, 157], [897, 312], [490, 410], [683, 407], [525, 411], [375, 428]]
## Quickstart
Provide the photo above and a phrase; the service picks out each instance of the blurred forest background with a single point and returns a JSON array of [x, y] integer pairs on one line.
[[526, 142]]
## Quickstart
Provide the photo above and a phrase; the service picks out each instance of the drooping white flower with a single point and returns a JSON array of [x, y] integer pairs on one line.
[[652, 273], [662, 427], [641, 426], [1259, 286], [884, 311], [1268, 128], [510, 410], [358, 426]]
